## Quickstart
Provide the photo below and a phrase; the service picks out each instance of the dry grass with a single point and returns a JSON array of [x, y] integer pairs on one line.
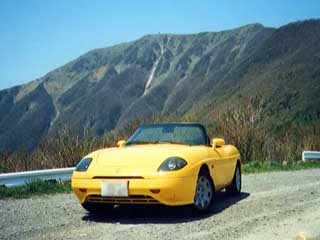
[[241, 127], [244, 127]]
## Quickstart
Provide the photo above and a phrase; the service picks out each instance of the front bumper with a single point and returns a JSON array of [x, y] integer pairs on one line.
[[173, 191]]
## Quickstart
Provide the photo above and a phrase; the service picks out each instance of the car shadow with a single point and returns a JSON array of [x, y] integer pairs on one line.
[[141, 214]]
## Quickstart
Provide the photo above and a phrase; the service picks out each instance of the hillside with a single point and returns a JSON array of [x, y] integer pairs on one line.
[[168, 73]]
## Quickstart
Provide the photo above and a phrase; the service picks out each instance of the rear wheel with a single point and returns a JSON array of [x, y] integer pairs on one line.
[[235, 187], [96, 208], [204, 194]]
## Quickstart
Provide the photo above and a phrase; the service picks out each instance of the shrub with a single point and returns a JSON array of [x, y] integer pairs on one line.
[[242, 127]]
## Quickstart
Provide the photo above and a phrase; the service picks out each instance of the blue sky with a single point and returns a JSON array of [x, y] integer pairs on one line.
[[40, 35]]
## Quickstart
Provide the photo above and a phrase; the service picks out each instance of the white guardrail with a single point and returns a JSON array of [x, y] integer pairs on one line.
[[310, 155], [20, 178]]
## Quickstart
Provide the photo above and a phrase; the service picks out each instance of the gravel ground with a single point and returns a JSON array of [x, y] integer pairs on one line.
[[272, 206]]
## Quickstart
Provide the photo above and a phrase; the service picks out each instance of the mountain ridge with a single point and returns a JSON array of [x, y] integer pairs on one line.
[[165, 74]]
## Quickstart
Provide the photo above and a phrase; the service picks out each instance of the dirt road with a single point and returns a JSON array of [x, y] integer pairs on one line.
[[272, 206]]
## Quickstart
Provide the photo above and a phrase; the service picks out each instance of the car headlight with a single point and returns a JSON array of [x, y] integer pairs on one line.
[[83, 165], [172, 164]]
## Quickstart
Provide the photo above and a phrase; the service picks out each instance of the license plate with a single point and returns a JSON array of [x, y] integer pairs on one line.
[[114, 189]]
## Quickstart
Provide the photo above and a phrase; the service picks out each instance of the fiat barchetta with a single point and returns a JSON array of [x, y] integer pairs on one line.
[[171, 164]]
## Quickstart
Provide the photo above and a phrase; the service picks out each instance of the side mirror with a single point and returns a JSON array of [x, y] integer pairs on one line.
[[217, 142], [121, 143]]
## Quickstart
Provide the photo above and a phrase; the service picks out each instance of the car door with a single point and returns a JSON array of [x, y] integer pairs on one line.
[[218, 166], [226, 165]]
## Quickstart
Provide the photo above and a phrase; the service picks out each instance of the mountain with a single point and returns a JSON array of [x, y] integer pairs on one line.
[[169, 73]]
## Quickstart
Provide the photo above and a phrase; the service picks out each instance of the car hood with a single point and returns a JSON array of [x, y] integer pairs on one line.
[[137, 160]]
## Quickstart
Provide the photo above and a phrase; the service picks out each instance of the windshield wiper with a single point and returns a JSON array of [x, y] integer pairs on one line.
[[156, 142], [141, 142], [172, 142]]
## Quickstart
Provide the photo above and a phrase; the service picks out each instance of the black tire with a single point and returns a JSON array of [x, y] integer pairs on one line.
[[204, 194], [235, 188], [96, 208]]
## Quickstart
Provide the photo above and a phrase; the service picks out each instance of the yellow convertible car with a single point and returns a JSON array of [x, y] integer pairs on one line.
[[172, 164]]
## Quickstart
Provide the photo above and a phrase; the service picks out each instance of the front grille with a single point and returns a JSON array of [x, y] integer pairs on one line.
[[132, 199], [118, 177]]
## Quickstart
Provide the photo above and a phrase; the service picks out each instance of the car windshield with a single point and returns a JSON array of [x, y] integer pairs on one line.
[[189, 134]]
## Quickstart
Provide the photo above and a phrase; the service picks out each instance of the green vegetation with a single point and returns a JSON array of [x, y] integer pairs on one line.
[[35, 188], [257, 167]]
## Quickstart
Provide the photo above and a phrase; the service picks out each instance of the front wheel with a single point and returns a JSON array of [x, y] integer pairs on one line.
[[235, 187], [204, 194]]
